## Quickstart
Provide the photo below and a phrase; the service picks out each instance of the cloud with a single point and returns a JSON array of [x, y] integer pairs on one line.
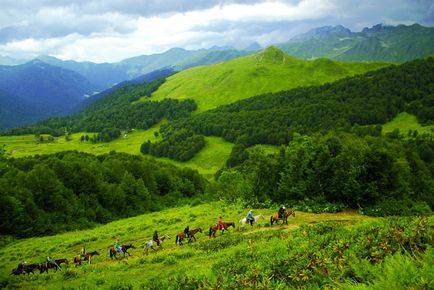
[[111, 30]]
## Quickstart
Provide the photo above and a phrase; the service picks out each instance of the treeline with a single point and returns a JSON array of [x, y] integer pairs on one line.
[[373, 98], [43, 195], [380, 175], [116, 111], [180, 145]]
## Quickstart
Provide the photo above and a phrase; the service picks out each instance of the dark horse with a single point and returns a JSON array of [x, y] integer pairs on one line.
[[113, 251], [275, 217], [27, 269], [213, 229], [181, 236], [85, 257], [45, 266]]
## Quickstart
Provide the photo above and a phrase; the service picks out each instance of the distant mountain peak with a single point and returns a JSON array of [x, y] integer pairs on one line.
[[271, 54], [324, 32]]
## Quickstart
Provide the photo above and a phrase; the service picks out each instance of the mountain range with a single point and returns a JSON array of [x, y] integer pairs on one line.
[[378, 43], [48, 86], [37, 90]]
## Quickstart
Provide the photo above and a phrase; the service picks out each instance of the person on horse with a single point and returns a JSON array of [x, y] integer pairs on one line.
[[281, 212], [220, 224], [52, 262], [22, 267], [118, 246], [156, 239], [250, 218], [83, 252], [187, 231]]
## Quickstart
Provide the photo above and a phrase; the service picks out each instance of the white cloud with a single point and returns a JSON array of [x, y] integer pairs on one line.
[[112, 30]]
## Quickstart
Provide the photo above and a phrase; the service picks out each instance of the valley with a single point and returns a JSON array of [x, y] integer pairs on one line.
[[138, 120]]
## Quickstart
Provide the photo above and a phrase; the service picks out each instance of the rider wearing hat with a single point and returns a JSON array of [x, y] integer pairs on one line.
[[281, 212]]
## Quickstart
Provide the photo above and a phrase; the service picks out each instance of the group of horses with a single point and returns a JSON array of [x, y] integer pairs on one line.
[[151, 244], [42, 267]]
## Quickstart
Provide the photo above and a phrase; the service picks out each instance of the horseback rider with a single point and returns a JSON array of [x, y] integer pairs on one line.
[[51, 262], [187, 231], [156, 239], [83, 252], [281, 212], [22, 267], [118, 246], [250, 218], [220, 224]]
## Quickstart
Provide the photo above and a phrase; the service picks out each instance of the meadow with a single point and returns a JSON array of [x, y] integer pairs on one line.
[[343, 250], [270, 70], [208, 161]]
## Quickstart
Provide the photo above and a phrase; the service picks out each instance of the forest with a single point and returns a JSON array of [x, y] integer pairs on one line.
[[384, 175], [369, 99], [48, 194]]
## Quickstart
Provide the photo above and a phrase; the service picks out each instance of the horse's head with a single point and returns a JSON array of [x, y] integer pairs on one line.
[[200, 230], [260, 216], [165, 237], [95, 253], [130, 246]]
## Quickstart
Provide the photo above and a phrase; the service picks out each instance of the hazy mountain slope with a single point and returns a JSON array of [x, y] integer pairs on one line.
[[378, 43], [269, 70], [37, 90], [178, 58]]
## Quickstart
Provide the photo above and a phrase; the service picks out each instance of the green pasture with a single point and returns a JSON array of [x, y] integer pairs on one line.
[[406, 122], [239, 254], [139, 267], [210, 159], [270, 70]]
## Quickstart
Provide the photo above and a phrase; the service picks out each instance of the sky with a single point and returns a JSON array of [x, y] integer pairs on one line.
[[112, 30]]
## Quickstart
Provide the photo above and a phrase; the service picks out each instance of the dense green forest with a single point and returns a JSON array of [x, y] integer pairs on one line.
[[47, 194], [116, 111], [388, 175], [373, 98]]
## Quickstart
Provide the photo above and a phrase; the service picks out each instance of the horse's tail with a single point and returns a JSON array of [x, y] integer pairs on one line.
[[210, 231], [176, 241], [271, 220], [111, 253]]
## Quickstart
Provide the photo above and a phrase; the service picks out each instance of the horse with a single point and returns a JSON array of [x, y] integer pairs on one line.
[[150, 244], [27, 269], [213, 229], [43, 267], [243, 221], [275, 217], [113, 251], [85, 257], [181, 236]]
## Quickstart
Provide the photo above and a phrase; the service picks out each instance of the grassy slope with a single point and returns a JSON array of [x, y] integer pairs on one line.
[[207, 162], [140, 267], [270, 70], [405, 122]]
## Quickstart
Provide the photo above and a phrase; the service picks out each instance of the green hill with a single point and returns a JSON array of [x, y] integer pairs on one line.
[[344, 250], [270, 70]]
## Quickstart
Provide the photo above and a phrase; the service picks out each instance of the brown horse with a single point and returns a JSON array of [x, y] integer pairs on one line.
[[275, 217], [85, 257], [113, 251], [27, 269], [181, 236], [213, 229]]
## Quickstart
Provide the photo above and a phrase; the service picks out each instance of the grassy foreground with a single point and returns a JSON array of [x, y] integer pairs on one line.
[[309, 252]]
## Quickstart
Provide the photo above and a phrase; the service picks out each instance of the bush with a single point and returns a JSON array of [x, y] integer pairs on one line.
[[317, 206], [393, 207]]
